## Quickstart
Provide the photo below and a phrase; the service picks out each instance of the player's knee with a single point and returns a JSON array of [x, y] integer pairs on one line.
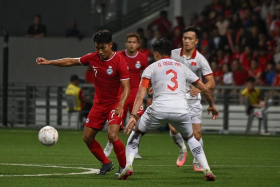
[[87, 139], [197, 135], [113, 136]]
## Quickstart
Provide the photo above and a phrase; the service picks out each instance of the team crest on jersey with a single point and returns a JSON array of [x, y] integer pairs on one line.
[[138, 65], [110, 70], [193, 63]]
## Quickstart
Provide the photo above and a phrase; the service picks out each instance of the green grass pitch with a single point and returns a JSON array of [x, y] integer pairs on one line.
[[236, 160]]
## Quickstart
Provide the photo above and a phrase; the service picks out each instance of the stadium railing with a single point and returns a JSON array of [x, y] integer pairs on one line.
[[37, 105], [128, 19]]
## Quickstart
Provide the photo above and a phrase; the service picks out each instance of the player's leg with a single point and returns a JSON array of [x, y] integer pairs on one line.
[[114, 126], [138, 115], [109, 146], [185, 128], [90, 131], [196, 114], [147, 122], [198, 153], [178, 140]]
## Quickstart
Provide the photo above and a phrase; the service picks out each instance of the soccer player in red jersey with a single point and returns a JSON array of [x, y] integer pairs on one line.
[[136, 63], [110, 70]]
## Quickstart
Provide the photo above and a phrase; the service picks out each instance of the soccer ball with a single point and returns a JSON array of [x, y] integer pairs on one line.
[[48, 136]]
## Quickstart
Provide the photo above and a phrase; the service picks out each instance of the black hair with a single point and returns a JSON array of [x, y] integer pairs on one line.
[[163, 46], [38, 16], [251, 79], [74, 78], [102, 37], [163, 13], [194, 29]]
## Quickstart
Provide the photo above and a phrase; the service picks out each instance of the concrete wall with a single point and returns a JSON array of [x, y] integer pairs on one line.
[[24, 51]]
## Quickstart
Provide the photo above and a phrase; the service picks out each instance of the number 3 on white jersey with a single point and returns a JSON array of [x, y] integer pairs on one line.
[[173, 79]]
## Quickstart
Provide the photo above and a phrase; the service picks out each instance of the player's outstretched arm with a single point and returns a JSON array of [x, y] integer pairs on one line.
[[65, 62], [205, 91]]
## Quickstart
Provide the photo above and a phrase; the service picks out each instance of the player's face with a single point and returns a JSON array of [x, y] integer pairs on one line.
[[132, 44], [189, 40], [104, 50]]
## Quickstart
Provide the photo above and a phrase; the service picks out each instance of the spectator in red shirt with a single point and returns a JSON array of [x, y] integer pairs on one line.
[[255, 71], [217, 73], [276, 81], [239, 73], [143, 49], [163, 24], [264, 58], [236, 52], [245, 57]]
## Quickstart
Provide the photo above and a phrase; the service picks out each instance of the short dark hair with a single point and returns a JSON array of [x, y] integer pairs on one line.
[[38, 16], [74, 78], [194, 29], [163, 46], [133, 35], [102, 37], [251, 79]]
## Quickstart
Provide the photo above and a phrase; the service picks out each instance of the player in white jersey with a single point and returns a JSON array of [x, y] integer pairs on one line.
[[169, 79], [189, 56]]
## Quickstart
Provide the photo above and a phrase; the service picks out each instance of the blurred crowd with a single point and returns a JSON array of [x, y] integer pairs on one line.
[[239, 38]]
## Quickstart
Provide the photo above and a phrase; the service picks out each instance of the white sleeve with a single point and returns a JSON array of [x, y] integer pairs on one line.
[[147, 72], [190, 76], [205, 68]]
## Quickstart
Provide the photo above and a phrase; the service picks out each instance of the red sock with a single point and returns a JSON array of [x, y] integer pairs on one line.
[[120, 152], [97, 151]]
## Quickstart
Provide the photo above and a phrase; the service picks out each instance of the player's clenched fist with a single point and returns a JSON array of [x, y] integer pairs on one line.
[[42, 61]]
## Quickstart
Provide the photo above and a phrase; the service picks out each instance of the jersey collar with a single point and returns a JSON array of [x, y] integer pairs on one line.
[[193, 54], [129, 55], [165, 57], [109, 58]]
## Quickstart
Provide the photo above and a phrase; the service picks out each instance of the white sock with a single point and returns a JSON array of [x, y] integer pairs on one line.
[[132, 147], [178, 140], [194, 159], [201, 141], [198, 152], [109, 144]]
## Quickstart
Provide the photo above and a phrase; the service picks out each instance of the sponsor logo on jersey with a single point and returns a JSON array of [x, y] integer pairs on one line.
[[110, 70], [87, 120], [193, 63], [138, 65]]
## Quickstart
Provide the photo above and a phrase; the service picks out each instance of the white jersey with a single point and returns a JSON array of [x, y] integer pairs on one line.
[[169, 79], [197, 64]]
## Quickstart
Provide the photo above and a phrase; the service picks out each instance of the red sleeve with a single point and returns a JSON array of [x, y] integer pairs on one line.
[[84, 60], [123, 72], [145, 63]]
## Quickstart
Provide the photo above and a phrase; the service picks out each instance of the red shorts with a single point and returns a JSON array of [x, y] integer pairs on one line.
[[129, 105], [98, 116]]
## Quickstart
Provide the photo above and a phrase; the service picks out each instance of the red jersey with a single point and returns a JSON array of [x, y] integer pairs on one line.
[[136, 64], [108, 76], [240, 77], [89, 76]]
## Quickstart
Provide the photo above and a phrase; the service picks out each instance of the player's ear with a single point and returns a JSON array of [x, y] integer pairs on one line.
[[111, 45], [196, 41]]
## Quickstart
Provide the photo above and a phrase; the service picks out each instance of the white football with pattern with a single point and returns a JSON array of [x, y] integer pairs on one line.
[[48, 136]]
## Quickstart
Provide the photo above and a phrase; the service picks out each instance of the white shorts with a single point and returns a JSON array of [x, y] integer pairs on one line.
[[152, 119], [195, 114]]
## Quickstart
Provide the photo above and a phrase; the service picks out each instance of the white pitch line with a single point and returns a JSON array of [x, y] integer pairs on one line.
[[64, 166], [90, 170]]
